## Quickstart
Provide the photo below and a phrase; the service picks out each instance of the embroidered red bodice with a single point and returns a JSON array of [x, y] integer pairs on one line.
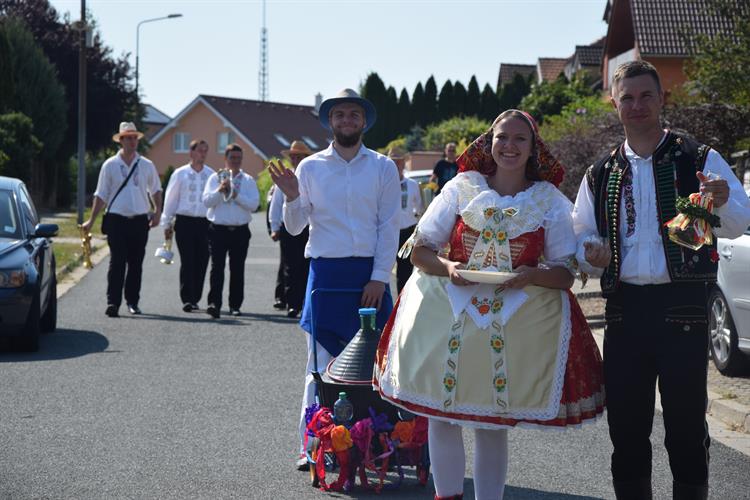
[[526, 250]]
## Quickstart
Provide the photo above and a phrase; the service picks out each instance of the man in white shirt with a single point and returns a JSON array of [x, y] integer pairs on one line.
[[349, 196], [125, 182], [656, 317], [230, 202], [411, 209], [185, 217], [292, 261]]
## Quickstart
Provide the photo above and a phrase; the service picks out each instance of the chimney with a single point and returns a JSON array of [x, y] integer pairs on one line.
[[318, 100]]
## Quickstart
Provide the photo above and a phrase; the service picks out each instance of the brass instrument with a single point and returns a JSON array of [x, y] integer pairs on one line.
[[226, 174], [86, 247], [164, 252]]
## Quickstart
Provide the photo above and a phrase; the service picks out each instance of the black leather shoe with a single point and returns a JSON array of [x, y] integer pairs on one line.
[[187, 307], [112, 311], [133, 309], [213, 311], [292, 312], [235, 312], [281, 305]]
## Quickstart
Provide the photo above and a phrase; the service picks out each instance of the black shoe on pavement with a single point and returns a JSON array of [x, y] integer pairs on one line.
[[302, 463], [235, 312], [187, 307], [112, 311], [194, 307], [133, 309], [292, 313], [213, 311], [279, 304]]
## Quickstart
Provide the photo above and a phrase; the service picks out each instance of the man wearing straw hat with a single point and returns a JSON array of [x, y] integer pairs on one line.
[[349, 195], [125, 182], [411, 209], [292, 261]]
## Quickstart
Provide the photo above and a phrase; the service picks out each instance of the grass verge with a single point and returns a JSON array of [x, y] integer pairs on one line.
[[68, 256]]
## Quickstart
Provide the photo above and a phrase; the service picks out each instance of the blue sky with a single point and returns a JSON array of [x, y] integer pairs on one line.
[[323, 46]]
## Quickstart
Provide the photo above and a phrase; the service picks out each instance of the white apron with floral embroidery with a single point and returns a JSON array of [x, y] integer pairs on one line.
[[481, 350]]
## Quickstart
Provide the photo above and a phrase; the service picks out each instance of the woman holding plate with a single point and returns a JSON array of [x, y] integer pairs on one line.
[[512, 350]]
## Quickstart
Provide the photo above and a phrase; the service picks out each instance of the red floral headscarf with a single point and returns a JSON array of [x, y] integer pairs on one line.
[[478, 155]]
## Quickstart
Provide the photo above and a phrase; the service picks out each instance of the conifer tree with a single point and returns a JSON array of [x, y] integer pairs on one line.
[[473, 97], [445, 102]]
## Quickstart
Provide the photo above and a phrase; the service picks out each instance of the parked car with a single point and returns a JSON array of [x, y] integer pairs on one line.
[[729, 307], [28, 288]]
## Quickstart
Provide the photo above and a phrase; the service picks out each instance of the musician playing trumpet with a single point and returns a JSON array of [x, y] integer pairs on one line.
[[230, 203], [184, 217]]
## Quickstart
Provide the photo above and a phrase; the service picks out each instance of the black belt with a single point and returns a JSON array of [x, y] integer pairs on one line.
[[228, 228], [130, 217]]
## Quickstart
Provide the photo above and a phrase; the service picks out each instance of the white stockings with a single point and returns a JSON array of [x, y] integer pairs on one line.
[[449, 461]]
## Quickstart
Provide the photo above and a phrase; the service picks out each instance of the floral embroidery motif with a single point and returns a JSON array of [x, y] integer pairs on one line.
[[501, 236], [627, 186], [454, 344], [489, 212], [487, 235], [485, 305], [449, 381], [497, 343], [500, 382]]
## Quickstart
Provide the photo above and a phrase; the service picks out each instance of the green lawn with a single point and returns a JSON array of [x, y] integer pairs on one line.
[[68, 256], [69, 226]]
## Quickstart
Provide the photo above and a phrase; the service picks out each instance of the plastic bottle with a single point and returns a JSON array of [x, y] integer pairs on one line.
[[343, 410]]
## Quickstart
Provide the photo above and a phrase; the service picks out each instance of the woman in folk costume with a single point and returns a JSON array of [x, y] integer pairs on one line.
[[492, 356]]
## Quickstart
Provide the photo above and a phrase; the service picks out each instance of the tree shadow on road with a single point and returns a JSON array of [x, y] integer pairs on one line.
[[225, 319], [63, 344]]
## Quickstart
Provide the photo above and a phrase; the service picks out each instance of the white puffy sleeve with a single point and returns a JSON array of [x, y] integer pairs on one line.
[[559, 237], [435, 226]]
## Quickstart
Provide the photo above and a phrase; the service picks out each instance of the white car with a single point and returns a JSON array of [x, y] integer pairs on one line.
[[420, 176], [729, 307]]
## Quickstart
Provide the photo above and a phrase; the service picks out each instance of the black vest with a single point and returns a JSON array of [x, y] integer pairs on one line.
[[675, 163]]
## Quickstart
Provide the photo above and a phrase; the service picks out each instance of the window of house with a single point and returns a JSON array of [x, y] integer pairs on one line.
[[312, 144], [223, 139], [282, 140], [181, 142]]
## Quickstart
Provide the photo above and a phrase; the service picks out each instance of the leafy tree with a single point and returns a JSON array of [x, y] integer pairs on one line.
[[18, 146], [404, 112], [473, 98], [430, 111], [459, 99], [461, 130], [413, 140], [718, 70], [489, 104], [445, 102], [374, 90], [7, 90], [549, 98], [418, 105]]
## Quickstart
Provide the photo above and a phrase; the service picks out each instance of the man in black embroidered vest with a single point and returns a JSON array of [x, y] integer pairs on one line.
[[656, 290]]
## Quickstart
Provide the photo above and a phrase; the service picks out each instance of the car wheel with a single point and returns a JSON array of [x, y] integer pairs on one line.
[[28, 341], [48, 322], [729, 360]]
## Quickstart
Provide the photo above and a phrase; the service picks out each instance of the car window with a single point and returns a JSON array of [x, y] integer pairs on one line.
[[9, 224], [27, 207]]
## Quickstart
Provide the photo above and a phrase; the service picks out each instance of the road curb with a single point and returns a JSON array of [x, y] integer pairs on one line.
[[732, 413], [73, 277]]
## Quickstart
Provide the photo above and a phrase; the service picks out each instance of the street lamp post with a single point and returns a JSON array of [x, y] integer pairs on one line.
[[137, 41]]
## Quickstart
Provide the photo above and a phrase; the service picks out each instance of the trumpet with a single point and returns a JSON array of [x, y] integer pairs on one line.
[[164, 252], [225, 174], [86, 247]]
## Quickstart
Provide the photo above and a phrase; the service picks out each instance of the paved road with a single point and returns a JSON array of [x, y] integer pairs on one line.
[[175, 405]]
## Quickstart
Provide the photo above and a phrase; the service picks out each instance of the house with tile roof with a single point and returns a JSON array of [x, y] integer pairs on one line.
[[586, 58], [261, 128], [653, 30], [509, 71], [549, 68], [153, 120]]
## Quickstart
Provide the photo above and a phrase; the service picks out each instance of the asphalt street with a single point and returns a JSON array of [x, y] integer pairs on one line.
[[179, 406]]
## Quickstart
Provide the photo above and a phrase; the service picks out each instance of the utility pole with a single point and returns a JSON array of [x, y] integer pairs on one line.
[[82, 33], [263, 73]]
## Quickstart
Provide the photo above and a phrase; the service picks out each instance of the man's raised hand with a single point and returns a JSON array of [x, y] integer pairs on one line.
[[285, 179]]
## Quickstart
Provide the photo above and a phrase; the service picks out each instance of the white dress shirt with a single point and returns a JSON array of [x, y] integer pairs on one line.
[[352, 208], [237, 211], [643, 260], [276, 210], [133, 199], [411, 203], [184, 195]]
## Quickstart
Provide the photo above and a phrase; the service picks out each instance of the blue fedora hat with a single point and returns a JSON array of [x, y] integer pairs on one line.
[[347, 95]]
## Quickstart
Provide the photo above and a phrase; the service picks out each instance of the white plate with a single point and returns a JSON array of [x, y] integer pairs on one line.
[[493, 277]]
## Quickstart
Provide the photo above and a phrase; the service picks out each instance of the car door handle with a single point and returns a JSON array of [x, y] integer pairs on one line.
[[726, 252]]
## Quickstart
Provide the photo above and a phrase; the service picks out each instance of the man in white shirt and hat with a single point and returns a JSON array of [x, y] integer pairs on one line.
[[184, 217], [292, 261], [125, 182], [349, 196], [230, 200]]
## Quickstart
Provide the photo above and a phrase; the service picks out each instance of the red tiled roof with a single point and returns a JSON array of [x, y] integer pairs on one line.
[[551, 67], [509, 71], [259, 121]]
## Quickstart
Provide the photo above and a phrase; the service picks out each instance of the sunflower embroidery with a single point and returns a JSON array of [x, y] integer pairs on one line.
[[500, 383], [488, 235], [497, 343], [449, 381], [489, 212], [454, 344], [496, 305], [500, 236]]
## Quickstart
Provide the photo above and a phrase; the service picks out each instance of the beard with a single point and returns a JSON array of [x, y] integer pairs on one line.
[[347, 140]]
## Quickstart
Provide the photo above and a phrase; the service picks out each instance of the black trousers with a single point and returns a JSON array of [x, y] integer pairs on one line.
[[232, 240], [295, 266], [191, 235], [127, 247], [404, 267], [657, 334]]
